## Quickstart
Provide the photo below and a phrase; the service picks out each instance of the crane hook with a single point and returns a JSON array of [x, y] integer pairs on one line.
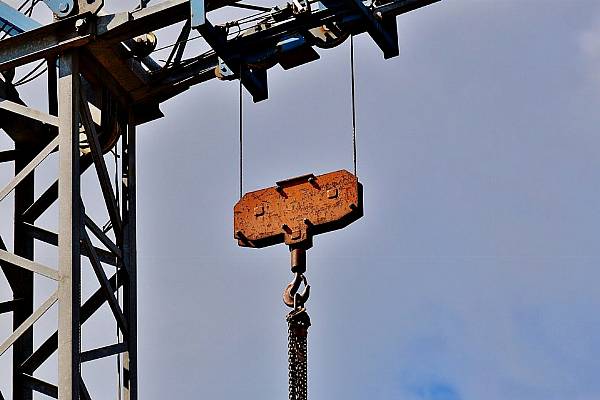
[[291, 297]]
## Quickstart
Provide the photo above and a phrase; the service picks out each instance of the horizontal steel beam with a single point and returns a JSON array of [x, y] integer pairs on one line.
[[92, 304], [28, 112], [126, 25], [51, 238], [103, 352], [111, 30], [29, 265], [51, 194], [45, 42], [8, 156], [399, 7], [9, 306], [175, 79]]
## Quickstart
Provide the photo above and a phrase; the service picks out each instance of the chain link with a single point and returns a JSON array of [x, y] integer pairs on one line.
[[298, 323]]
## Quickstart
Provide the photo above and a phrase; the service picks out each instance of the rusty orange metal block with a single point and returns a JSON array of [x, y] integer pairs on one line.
[[297, 209]]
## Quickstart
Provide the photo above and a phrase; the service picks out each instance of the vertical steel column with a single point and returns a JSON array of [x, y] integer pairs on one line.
[[129, 258], [69, 287], [52, 87], [23, 290]]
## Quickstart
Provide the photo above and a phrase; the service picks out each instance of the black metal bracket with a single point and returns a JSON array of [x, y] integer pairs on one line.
[[8, 156], [254, 80], [382, 29], [9, 306]]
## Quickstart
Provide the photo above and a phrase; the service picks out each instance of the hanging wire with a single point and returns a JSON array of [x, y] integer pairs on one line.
[[176, 43], [118, 341], [241, 123], [235, 34], [30, 75], [117, 190], [22, 82], [353, 103], [29, 11]]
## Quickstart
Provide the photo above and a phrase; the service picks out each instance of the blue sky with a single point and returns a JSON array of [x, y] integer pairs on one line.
[[473, 274]]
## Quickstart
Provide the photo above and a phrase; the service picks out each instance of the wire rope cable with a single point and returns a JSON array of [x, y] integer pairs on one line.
[[30, 75], [29, 11], [241, 123], [168, 46], [353, 95]]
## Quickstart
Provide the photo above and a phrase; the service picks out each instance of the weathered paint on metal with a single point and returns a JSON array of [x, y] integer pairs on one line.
[[69, 202], [298, 209]]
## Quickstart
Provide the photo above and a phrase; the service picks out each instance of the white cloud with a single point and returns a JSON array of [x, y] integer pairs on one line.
[[589, 43]]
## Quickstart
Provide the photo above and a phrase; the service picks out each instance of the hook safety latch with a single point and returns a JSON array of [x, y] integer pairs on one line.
[[291, 297]]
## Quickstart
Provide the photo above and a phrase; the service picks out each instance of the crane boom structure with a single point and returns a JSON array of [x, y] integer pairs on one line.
[[101, 84], [284, 36]]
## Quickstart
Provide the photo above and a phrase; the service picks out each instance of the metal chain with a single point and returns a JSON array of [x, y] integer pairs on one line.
[[298, 323]]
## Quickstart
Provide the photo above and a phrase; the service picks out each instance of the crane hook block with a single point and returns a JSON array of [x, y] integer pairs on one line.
[[296, 209]]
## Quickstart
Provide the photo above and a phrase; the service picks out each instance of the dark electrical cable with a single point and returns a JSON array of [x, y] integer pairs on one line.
[[176, 43], [30, 9], [353, 102], [28, 77], [22, 82]]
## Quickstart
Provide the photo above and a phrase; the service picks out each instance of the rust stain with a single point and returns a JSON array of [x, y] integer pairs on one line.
[[297, 209]]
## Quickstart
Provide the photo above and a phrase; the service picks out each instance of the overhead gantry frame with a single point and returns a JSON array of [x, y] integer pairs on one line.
[[91, 67]]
